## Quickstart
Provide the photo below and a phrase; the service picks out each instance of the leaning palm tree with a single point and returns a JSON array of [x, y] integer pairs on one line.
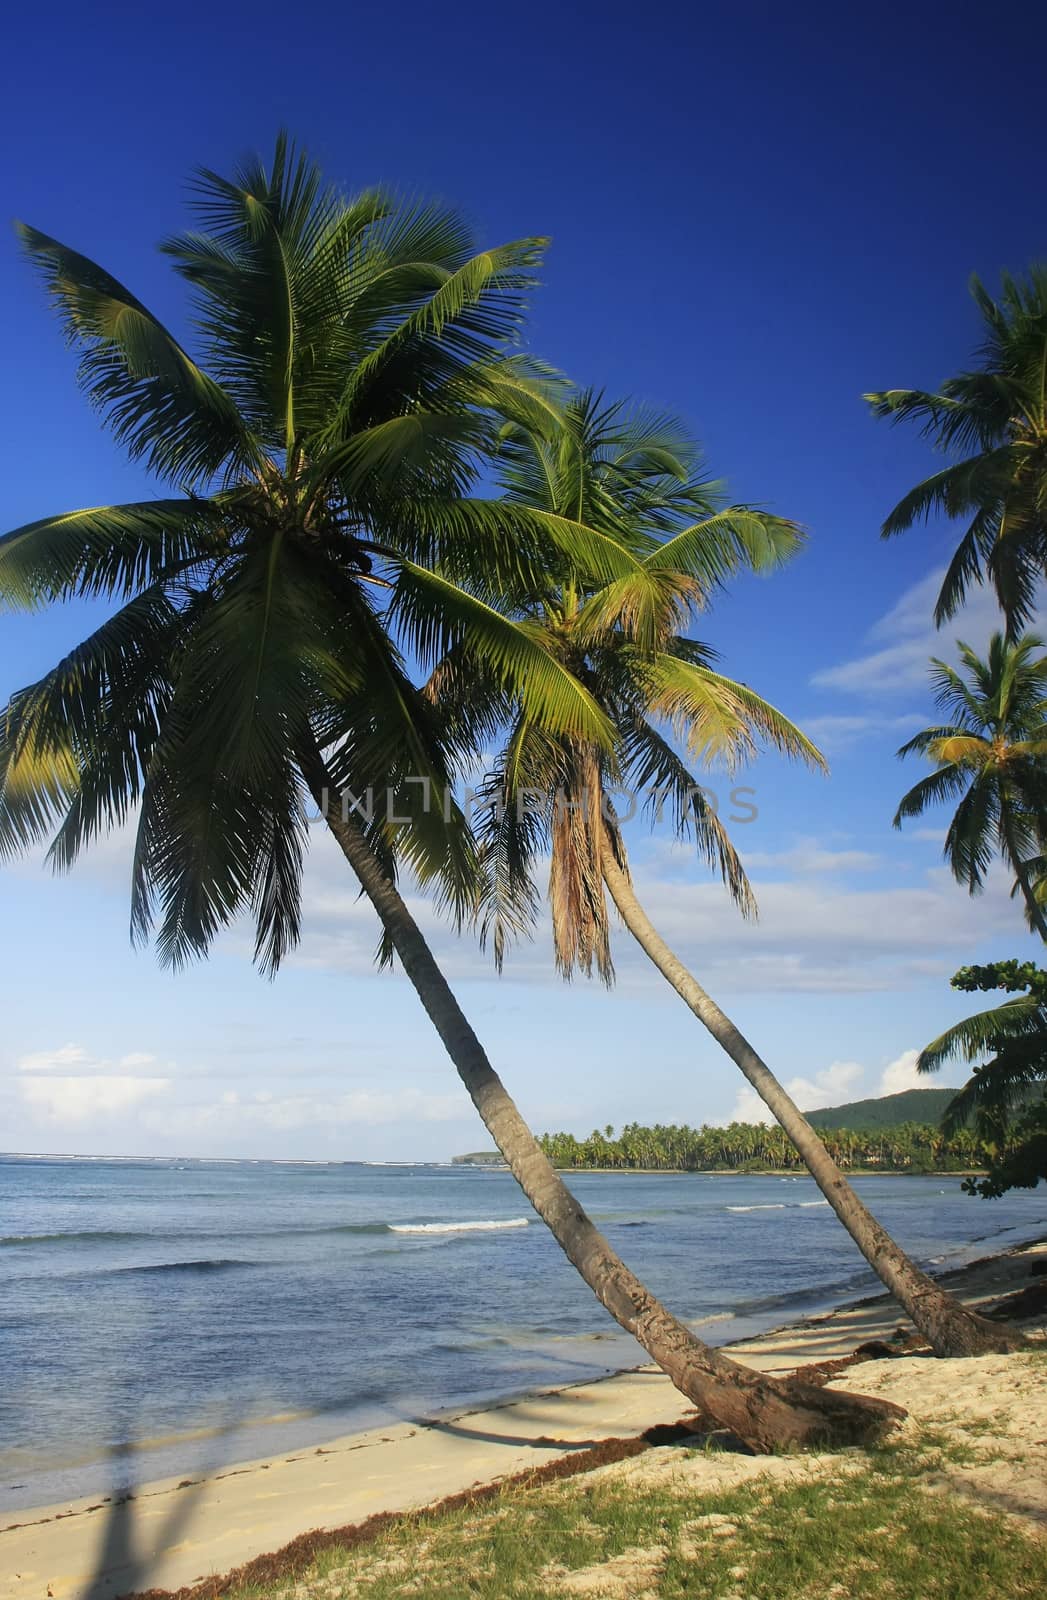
[[995, 416], [318, 459], [636, 480], [990, 751]]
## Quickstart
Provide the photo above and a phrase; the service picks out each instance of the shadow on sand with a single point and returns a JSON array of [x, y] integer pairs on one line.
[[140, 1529]]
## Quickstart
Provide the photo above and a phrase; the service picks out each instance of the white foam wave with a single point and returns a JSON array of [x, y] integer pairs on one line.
[[779, 1207], [458, 1227]]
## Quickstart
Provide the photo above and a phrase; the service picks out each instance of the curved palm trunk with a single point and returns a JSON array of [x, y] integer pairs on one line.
[[1036, 916], [948, 1327], [763, 1411]]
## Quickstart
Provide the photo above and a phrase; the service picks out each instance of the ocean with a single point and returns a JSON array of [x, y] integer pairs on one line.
[[167, 1317]]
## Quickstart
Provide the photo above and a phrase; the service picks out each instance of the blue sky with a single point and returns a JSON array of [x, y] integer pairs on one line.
[[757, 213]]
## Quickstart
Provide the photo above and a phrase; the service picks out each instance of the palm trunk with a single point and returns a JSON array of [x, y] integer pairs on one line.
[[1021, 872], [765, 1412], [949, 1327]]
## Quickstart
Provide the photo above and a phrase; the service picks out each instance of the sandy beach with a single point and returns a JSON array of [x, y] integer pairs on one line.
[[175, 1533]]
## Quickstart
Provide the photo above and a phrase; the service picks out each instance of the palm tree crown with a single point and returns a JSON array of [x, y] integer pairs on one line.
[[318, 456], [997, 415], [635, 480], [1012, 1035], [990, 751]]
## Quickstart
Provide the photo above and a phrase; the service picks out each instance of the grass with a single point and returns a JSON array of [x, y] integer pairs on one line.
[[861, 1527]]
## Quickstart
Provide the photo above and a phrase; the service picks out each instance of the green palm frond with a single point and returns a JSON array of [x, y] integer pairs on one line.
[[526, 394], [989, 756], [161, 406], [475, 306], [508, 545], [731, 541], [421, 453], [954, 491], [995, 419], [76, 744], [941, 785], [1014, 1038], [106, 550], [971, 838], [994, 1091], [766, 722], [985, 1031], [643, 608], [437, 616], [719, 719]]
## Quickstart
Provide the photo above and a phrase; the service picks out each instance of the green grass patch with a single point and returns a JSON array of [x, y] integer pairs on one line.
[[865, 1532]]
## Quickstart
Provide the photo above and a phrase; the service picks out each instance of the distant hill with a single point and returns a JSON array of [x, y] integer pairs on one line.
[[889, 1111], [479, 1158]]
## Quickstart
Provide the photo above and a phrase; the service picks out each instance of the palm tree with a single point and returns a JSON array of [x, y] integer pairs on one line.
[[318, 456], [636, 480], [1004, 1095], [996, 414], [991, 751], [1013, 1035]]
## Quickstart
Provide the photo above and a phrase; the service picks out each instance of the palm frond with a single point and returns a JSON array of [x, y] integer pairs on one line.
[[718, 547], [654, 767], [968, 1040], [939, 786], [161, 406], [106, 550], [436, 615], [74, 746], [718, 718]]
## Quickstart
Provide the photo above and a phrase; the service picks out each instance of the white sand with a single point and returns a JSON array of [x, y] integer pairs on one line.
[[170, 1535]]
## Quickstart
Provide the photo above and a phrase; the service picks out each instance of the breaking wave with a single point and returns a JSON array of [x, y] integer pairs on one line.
[[458, 1227]]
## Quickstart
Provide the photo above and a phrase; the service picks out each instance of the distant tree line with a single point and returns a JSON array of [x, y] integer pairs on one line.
[[751, 1147]]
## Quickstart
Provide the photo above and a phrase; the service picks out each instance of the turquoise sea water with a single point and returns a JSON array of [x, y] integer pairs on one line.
[[159, 1317]]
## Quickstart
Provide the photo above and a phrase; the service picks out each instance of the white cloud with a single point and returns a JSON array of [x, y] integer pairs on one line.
[[371, 1108], [909, 638], [821, 934], [67, 1055], [267, 1113], [902, 1074], [84, 1099], [807, 855], [68, 1086], [107, 863], [92, 1090], [831, 1086], [835, 734], [836, 1084], [817, 933]]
